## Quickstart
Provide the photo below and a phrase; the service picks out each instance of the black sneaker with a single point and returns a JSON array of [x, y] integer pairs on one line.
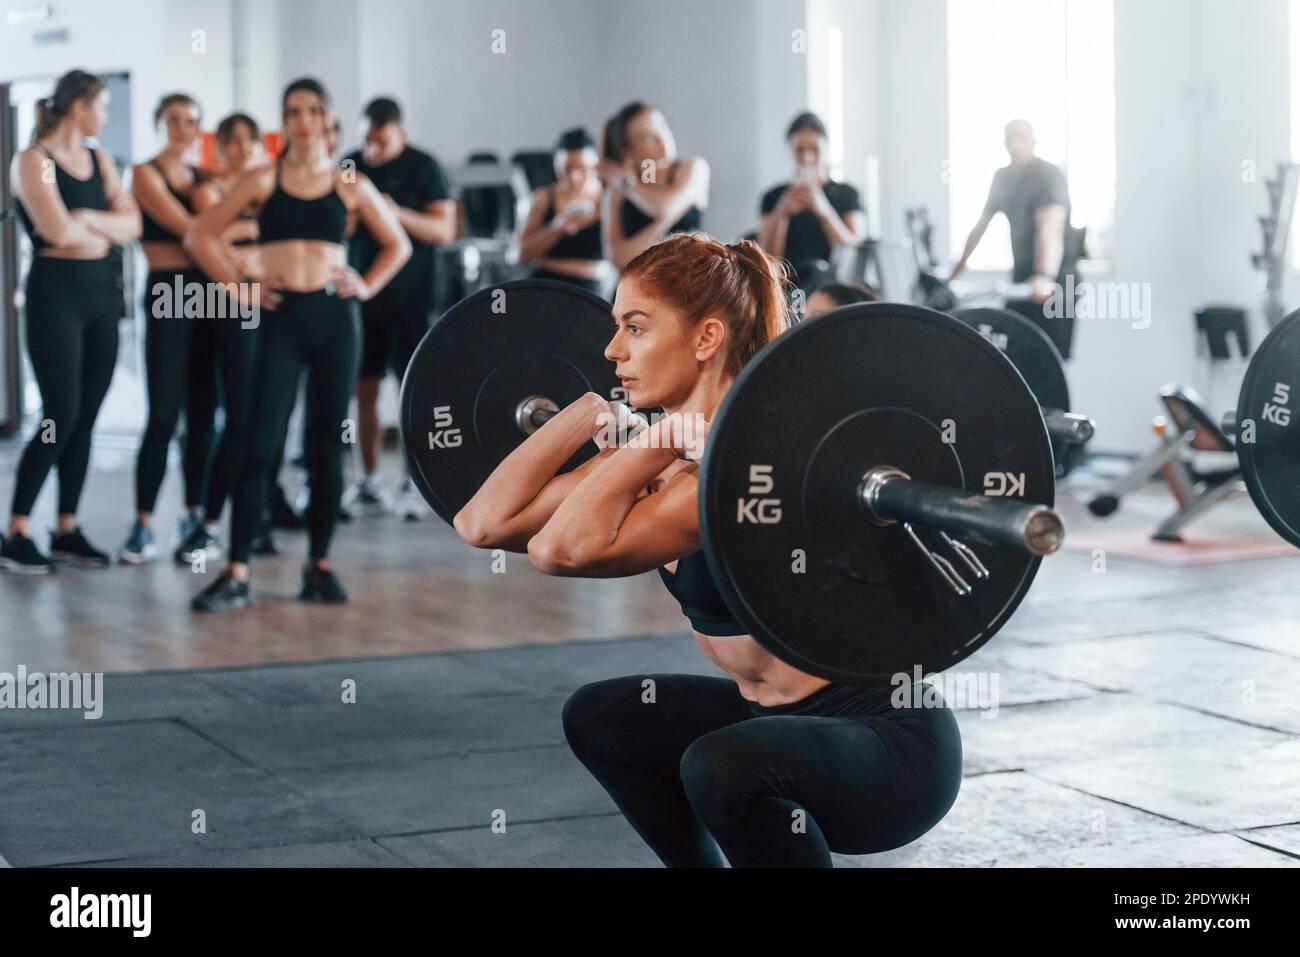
[[140, 546], [71, 548], [225, 593], [282, 513], [199, 542], [20, 555], [322, 586], [186, 524]]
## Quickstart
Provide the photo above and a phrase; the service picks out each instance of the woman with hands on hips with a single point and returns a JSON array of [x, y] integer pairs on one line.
[[309, 320]]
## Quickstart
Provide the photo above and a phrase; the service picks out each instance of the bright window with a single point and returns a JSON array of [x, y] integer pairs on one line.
[[1051, 62]]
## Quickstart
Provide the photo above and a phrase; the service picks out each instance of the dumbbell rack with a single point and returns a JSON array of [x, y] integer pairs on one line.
[[1276, 227]]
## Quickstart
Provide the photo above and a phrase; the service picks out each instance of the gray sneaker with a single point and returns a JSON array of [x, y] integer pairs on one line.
[[140, 546]]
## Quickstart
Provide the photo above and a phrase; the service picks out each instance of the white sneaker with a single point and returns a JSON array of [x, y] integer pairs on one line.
[[409, 505], [367, 498]]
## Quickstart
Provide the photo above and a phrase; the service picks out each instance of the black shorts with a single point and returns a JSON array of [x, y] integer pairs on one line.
[[390, 331]]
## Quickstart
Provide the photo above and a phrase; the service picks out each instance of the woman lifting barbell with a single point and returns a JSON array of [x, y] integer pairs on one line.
[[769, 767]]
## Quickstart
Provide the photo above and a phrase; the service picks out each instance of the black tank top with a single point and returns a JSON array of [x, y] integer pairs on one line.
[[284, 216], [693, 587], [584, 244], [75, 193], [633, 220], [153, 231]]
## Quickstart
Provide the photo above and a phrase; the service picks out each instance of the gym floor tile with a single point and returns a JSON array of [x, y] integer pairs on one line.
[[601, 841], [358, 853], [1218, 785], [1275, 634], [1084, 730], [385, 730], [457, 791], [1206, 850], [129, 790], [408, 678], [1206, 609], [1283, 837], [1015, 820], [1185, 667], [1015, 686], [133, 697]]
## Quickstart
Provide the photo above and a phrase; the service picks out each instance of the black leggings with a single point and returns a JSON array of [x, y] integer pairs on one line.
[[173, 341], [222, 367], [706, 777], [71, 321], [321, 332]]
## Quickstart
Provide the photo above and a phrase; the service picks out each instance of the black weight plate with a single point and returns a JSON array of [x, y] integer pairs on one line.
[[861, 386], [1034, 354], [1271, 463], [485, 355]]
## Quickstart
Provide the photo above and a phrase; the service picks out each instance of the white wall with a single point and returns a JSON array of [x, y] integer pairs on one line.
[[437, 59], [1200, 86], [781, 81]]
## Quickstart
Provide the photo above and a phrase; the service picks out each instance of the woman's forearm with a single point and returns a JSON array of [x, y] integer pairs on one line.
[[772, 236], [836, 230], [388, 263], [117, 228], [240, 230], [588, 520], [517, 481], [625, 250], [538, 242], [433, 228], [210, 254]]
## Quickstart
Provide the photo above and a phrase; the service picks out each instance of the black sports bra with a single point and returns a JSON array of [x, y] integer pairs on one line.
[[285, 216], [584, 244], [633, 219], [693, 587], [75, 193], [153, 231]]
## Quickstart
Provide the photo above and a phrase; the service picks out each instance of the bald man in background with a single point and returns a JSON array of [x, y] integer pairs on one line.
[[1033, 195]]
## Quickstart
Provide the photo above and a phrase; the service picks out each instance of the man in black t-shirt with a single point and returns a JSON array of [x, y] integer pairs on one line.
[[1033, 195], [803, 220], [395, 320]]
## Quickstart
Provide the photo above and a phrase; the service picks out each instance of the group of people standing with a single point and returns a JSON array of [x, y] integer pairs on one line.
[[336, 260], [615, 200]]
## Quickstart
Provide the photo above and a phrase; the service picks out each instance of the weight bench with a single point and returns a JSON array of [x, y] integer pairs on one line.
[[1186, 428]]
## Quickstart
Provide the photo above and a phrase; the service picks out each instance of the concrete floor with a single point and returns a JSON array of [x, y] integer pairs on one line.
[[1145, 713]]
